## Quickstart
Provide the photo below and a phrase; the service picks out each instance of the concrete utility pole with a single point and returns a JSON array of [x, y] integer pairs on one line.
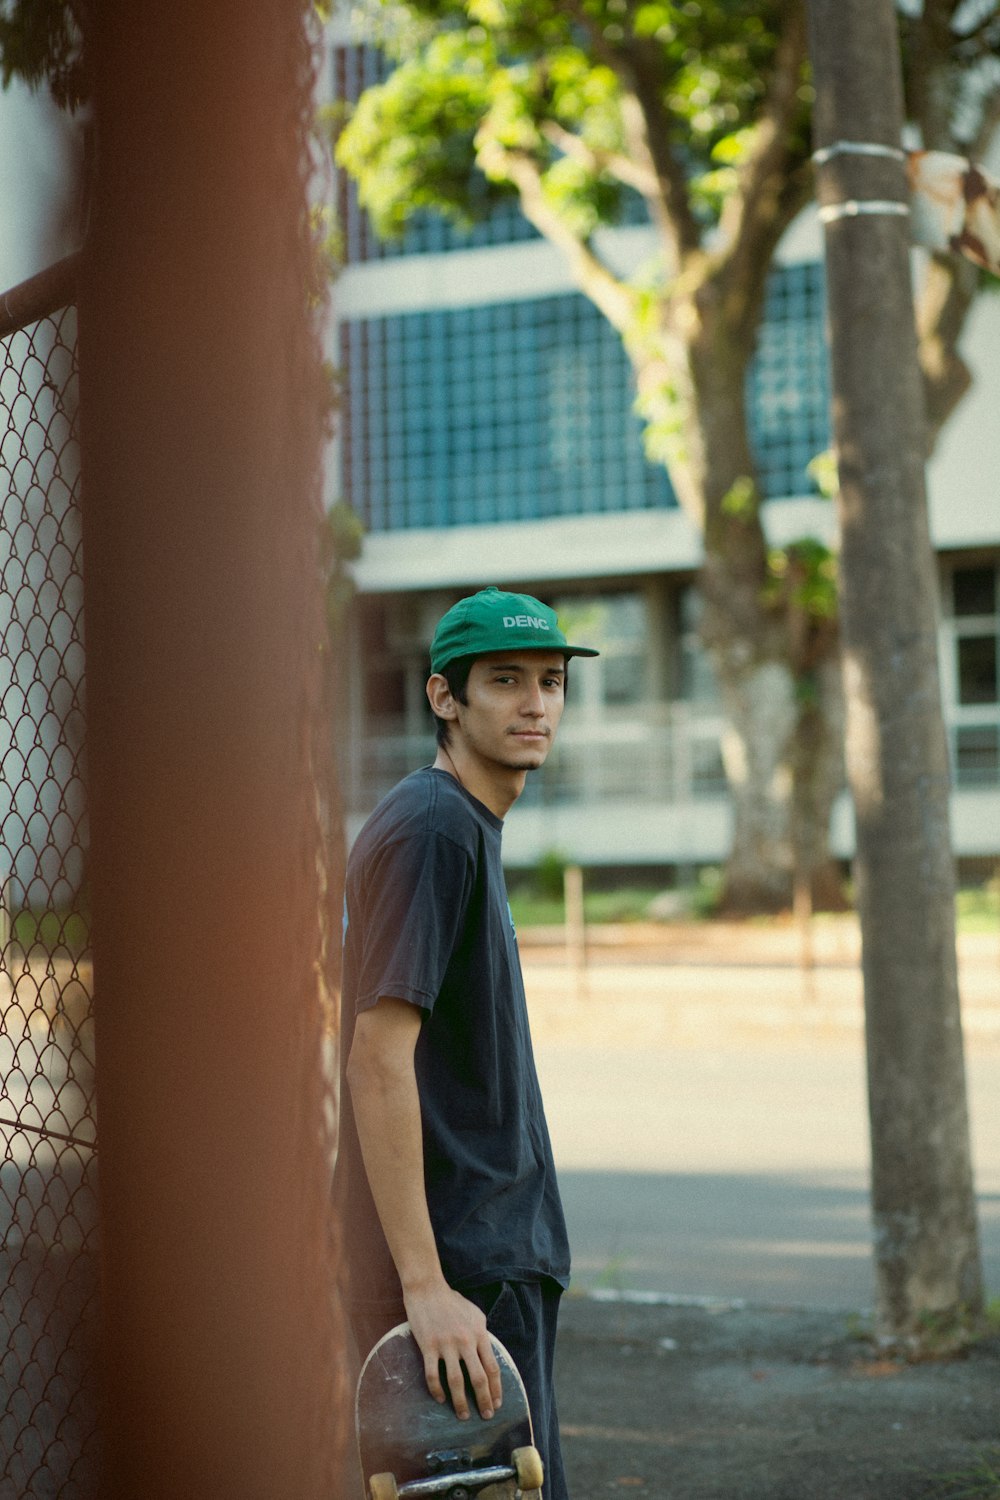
[[202, 413], [926, 1239]]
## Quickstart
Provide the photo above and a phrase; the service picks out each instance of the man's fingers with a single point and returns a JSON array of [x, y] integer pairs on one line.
[[433, 1378], [456, 1385], [485, 1382], [483, 1387], [493, 1376]]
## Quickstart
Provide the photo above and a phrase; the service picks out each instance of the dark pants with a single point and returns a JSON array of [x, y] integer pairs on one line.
[[522, 1315]]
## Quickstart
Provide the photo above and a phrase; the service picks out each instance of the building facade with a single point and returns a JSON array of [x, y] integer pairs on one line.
[[488, 436]]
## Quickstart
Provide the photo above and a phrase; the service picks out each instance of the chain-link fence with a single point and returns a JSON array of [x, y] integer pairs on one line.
[[48, 1190]]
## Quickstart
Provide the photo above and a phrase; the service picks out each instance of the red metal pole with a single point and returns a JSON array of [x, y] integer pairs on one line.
[[201, 414]]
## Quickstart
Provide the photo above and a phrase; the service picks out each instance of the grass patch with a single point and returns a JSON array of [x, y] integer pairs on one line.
[[981, 1481], [976, 910], [50, 930], [625, 905]]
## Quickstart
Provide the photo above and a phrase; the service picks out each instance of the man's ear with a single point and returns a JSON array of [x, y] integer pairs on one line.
[[439, 696]]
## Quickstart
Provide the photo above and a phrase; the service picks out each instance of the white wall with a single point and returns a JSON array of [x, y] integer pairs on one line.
[[38, 158], [964, 473]]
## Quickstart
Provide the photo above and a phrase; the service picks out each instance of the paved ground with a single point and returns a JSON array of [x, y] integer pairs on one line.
[[708, 1112], [696, 1403], [708, 1108], [731, 1171]]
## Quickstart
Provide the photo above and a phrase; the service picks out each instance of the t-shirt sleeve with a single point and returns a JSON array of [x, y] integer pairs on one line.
[[415, 899]]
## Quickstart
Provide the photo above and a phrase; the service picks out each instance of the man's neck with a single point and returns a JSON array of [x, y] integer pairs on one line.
[[497, 788]]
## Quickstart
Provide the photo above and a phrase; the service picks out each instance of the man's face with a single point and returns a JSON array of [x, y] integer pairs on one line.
[[515, 702]]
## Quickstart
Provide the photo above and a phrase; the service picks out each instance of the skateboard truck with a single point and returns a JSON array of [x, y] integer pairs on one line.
[[525, 1469]]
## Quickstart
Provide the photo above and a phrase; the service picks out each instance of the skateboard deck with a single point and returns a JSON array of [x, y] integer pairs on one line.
[[412, 1446]]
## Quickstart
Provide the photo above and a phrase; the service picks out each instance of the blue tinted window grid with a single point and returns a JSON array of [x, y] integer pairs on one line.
[[499, 413], [788, 388], [521, 411]]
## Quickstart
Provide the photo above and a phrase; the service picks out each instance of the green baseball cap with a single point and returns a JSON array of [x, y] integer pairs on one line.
[[494, 621]]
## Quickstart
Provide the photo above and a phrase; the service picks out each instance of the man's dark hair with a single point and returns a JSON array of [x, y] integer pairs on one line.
[[456, 675]]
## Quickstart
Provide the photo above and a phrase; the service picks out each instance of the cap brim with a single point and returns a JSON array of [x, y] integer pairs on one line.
[[440, 664]]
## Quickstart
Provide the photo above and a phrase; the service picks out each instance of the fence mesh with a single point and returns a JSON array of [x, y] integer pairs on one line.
[[48, 1190]]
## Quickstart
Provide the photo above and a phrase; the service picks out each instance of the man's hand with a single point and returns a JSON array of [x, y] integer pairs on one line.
[[450, 1328]]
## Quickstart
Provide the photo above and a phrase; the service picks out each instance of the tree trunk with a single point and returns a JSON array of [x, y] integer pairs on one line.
[[817, 755], [926, 1241], [781, 746], [782, 753], [760, 709]]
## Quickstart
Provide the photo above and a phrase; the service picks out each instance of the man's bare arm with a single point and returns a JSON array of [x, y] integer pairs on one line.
[[446, 1325]]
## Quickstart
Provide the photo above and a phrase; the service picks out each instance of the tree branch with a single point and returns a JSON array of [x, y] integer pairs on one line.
[[647, 124], [615, 300], [628, 172], [951, 283], [775, 181], [639, 66], [944, 304], [929, 77]]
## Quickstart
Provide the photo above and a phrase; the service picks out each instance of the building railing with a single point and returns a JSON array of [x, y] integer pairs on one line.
[[654, 752], [664, 754]]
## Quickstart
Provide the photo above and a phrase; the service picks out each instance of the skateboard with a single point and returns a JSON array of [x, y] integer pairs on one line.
[[412, 1446]]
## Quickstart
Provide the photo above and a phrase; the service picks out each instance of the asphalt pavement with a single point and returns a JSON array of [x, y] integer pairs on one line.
[[707, 1103], [709, 1121], [733, 1172]]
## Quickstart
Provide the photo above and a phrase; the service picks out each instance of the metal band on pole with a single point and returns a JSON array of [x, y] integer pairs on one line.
[[853, 208], [856, 148]]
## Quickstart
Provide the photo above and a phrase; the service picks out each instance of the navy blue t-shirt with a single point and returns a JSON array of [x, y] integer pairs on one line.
[[427, 921]]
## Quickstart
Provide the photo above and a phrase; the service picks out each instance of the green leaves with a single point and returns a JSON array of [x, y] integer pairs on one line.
[[410, 141], [823, 471], [803, 574], [481, 79], [742, 498]]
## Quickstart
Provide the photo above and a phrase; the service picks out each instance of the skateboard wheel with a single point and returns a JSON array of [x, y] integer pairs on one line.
[[383, 1487], [528, 1468]]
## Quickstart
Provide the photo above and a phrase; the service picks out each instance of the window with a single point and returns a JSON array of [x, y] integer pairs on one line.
[[498, 219], [616, 624], [977, 755], [788, 388], [972, 672], [977, 668], [974, 591], [508, 412], [499, 222], [393, 664], [523, 410], [698, 684]]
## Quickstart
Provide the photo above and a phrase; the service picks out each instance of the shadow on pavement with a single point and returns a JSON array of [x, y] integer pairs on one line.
[[794, 1239]]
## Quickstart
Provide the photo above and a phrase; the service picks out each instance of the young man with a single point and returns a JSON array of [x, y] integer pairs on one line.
[[445, 1182]]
